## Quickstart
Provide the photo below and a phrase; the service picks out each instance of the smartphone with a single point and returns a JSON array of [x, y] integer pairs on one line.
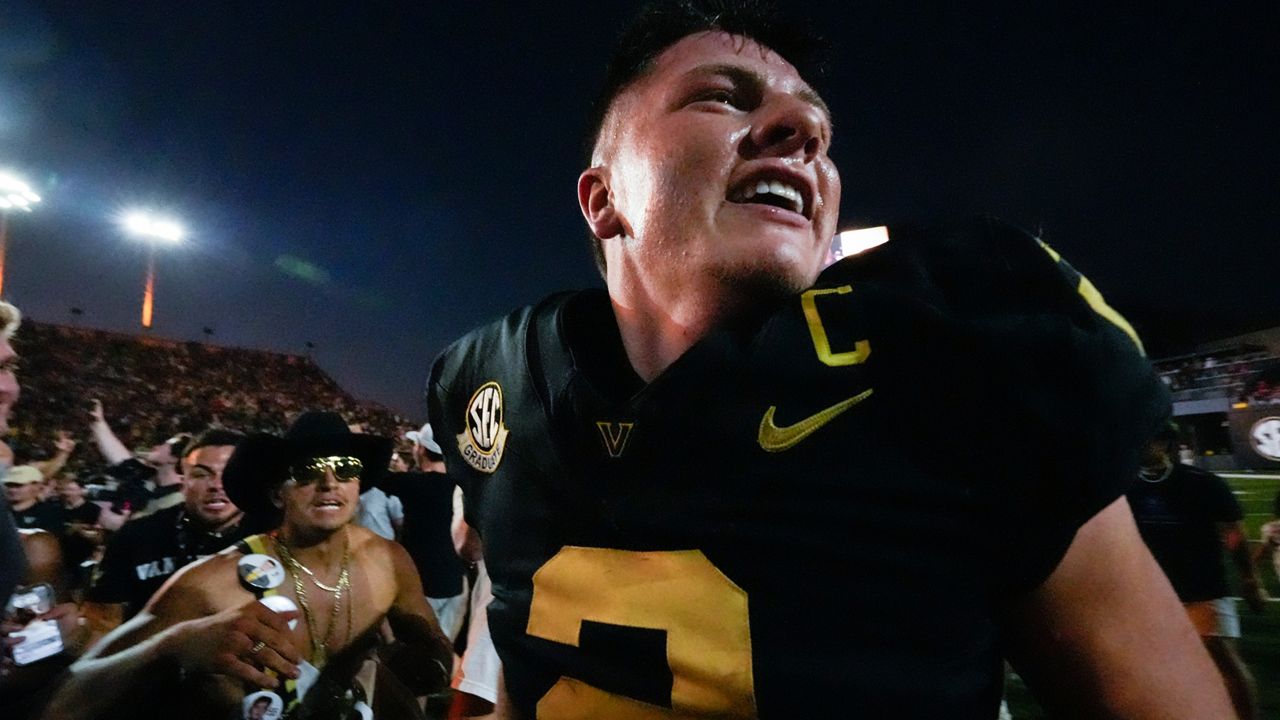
[[40, 638]]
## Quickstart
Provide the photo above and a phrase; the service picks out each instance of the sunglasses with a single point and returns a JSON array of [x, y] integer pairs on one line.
[[312, 470]]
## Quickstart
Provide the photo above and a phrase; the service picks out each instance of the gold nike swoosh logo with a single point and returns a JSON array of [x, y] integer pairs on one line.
[[776, 439]]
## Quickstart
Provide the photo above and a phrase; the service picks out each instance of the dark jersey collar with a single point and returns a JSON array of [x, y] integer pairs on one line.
[[593, 345]]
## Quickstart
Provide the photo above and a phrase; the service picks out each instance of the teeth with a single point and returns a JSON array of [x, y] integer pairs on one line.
[[778, 188]]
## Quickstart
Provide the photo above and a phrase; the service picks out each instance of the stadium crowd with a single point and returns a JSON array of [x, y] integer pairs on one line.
[[155, 388], [114, 482], [1241, 375]]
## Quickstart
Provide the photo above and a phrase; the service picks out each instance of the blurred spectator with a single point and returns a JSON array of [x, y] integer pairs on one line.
[[158, 467], [23, 485], [81, 533], [1271, 537], [1191, 520], [145, 553], [427, 496], [12, 561]]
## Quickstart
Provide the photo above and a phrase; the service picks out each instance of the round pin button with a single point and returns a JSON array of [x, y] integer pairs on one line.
[[261, 705], [261, 572]]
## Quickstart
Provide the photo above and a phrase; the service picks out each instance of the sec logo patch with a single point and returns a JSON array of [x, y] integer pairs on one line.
[[485, 437]]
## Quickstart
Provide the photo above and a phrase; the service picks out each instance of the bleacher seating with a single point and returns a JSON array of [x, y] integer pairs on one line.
[[151, 387], [1221, 374]]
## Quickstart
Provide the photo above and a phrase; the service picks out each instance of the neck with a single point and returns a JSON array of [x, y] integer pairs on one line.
[[661, 317], [321, 550], [224, 525], [24, 505], [658, 325], [73, 504]]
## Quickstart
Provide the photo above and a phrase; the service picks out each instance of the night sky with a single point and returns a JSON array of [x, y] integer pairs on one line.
[[377, 178]]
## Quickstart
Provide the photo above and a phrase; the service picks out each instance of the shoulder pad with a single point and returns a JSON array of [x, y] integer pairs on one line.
[[984, 271]]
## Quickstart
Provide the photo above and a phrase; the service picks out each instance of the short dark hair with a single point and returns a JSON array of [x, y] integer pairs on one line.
[[661, 24], [214, 437]]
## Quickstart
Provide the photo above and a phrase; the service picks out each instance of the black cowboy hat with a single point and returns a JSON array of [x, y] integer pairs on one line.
[[262, 461]]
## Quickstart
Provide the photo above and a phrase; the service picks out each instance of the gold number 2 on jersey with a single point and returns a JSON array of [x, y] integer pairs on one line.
[[704, 614]]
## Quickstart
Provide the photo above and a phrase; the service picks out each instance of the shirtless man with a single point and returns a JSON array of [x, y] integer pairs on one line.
[[204, 641]]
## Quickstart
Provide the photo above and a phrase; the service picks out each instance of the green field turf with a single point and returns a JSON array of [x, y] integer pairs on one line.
[[1260, 633]]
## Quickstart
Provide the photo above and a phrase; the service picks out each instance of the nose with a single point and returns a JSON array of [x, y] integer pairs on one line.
[[8, 386], [328, 479], [787, 126]]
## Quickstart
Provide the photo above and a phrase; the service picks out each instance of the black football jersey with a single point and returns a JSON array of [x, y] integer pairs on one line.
[[821, 508]]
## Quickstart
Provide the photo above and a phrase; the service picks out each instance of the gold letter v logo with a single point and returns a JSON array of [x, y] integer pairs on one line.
[[776, 439], [615, 436]]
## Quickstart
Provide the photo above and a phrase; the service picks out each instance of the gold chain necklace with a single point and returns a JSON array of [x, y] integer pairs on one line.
[[315, 580], [320, 651]]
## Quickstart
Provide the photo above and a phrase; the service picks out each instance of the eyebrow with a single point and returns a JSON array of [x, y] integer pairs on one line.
[[743, 76]]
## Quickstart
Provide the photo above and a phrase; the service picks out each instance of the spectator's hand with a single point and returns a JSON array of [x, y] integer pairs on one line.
[[8, 626], [74, 629], [95, 411], [224, 643], [111, 520], [64, 443]]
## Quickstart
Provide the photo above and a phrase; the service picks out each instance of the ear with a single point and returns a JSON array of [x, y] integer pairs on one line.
[[276, 499], [596, 201]]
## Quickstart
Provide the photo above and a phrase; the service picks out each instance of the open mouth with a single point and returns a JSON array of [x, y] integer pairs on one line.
[[328, 505], [775, 188], [216, 505]]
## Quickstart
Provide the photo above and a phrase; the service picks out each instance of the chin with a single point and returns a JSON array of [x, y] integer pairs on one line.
[[764, 281]]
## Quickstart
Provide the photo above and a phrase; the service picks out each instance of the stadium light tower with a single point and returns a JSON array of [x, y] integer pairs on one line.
[[15, 196], [154, 231]]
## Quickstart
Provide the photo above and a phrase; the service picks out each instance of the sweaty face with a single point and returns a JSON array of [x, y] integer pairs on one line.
[[717, 162], [9, 389], [202, 489], [323, 506]]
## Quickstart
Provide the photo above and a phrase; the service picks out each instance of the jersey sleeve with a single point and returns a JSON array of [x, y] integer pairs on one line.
[[1021, 373]]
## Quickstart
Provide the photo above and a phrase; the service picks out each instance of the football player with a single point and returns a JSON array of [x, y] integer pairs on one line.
[[732, 487]]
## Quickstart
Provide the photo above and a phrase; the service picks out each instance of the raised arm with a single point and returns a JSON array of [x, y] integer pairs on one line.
[[63, 446], [113, 451], [1106, 637]]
